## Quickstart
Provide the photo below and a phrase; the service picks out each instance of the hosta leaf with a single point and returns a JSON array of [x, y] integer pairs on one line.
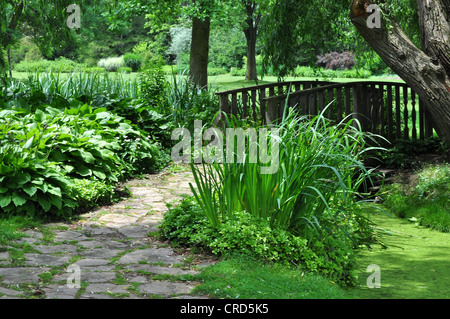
[[54, 190], [29, 143], [18, 199], [43, 187], [57, 156], [69, 168], [30, 190], [55, 200], [39, 116], [99, 174], [45, 204], [22, 178], [5, 200], [5, 169], [87, 157], [64, 136], [63, 181], [83, 171]]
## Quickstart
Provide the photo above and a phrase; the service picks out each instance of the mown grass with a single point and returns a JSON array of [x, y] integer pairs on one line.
[[240, 277], [229, 82]]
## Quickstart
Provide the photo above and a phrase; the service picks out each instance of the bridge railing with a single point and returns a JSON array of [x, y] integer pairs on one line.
[[390, 109], [251, 101]]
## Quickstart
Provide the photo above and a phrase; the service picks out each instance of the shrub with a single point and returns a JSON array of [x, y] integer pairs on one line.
[[305, 71], [92, 52], [180, 43], [126, 70], [237, 72], [91, 193], [133, 61], [216, 71], [371, 61], [94, 70], [111, 64], [62, 65], [150, 53], [336, 61]]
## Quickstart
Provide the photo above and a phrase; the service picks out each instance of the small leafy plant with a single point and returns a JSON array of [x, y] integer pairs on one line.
[[242, 234], [425, 202]]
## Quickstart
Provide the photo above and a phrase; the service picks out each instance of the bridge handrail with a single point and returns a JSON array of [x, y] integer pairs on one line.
[[388, 108]]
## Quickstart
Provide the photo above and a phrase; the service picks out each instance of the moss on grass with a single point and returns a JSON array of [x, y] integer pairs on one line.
[[414, 266]]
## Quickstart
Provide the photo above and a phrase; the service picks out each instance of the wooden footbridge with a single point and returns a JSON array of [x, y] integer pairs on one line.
[[390, 109]]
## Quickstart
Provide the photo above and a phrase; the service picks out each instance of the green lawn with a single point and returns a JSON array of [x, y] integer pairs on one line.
[[243, 278], [228, 82], [415, 264]]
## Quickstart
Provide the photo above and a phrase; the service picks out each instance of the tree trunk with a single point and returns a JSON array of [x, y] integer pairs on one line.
[[435, 31], [10, 63], [199, 52], [250, 34], [424, 72]]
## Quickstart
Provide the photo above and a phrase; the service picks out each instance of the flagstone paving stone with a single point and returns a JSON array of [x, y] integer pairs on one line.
[[109, 246]]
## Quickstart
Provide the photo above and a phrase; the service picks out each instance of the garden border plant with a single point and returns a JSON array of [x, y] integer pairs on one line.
[[306, 214], [54, 147]]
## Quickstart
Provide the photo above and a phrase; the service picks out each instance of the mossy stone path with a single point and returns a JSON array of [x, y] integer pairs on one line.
[[117, 257], [107, 253]]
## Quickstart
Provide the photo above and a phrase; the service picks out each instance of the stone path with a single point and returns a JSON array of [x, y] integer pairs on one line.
[[106, 254]]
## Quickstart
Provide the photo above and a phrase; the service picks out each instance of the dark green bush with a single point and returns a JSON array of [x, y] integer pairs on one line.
[[133, 61], [62, 65]]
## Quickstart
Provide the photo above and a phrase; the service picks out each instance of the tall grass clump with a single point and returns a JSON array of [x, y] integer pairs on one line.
[[112, 64], [305, 210], [319, 175], [60, 90], [189, 102]]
